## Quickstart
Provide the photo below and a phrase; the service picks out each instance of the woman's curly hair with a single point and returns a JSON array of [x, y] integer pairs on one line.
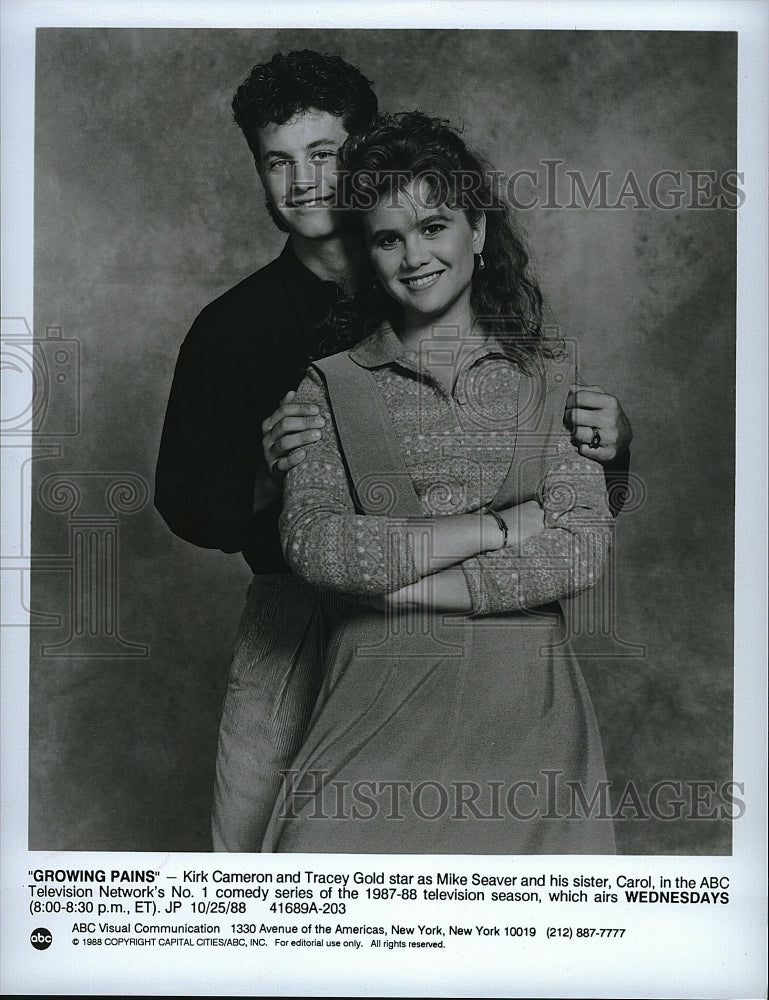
[[287, 85], [505, 297]]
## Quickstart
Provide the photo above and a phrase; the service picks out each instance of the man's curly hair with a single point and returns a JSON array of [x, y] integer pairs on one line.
[[277, 90]]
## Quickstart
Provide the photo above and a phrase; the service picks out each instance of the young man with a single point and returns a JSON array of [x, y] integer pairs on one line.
[[232, 431]]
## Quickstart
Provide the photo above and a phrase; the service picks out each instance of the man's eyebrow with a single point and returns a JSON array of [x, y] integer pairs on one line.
[[312, 145], [383, 232], [275, 152]]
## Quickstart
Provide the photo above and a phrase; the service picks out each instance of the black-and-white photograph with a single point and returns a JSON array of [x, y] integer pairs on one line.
[[342, 605], [381, 454]]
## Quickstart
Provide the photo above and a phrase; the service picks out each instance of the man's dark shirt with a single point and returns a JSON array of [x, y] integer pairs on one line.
[[243, 353]]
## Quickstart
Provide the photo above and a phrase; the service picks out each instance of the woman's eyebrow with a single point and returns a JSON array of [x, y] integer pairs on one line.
[[435, 217]]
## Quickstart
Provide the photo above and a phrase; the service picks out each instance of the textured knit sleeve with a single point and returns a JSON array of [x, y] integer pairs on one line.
[[324, 540], [567, 556]]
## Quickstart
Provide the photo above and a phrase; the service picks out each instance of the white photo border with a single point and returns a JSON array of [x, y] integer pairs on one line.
[[18, 20]]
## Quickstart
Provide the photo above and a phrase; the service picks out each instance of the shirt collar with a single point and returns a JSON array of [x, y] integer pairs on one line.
[[380, 348], [384, 348], [309, 295]]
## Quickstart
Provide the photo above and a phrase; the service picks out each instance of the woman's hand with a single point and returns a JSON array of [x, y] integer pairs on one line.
[[445, 591]]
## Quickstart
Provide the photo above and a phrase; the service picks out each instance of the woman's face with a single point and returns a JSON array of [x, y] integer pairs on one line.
[[423, 255]]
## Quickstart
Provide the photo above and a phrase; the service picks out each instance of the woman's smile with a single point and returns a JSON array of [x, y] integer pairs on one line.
[[420, 281]]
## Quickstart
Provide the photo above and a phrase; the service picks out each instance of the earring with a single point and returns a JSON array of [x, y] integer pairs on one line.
[[481, 262]]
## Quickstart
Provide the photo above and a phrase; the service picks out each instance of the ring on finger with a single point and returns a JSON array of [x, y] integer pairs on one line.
[[595, 440]]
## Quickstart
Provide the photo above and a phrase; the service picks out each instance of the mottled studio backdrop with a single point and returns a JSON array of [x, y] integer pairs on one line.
[[147, 207]]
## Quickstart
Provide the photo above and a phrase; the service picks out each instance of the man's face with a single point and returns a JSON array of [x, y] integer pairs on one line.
[[297, 164]]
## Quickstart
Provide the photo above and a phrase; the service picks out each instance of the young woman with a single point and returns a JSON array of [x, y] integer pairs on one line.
[[447, 501]]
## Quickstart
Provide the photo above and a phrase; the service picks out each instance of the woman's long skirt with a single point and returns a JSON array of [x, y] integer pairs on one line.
[[448, 735]]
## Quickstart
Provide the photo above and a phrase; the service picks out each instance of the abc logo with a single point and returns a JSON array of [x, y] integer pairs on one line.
[[40, 938]]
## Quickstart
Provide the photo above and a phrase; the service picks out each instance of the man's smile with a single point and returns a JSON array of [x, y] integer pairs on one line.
[[309, 202]]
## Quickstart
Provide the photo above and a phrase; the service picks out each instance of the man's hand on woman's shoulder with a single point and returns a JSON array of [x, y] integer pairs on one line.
[[287, 432], [598, 424]]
